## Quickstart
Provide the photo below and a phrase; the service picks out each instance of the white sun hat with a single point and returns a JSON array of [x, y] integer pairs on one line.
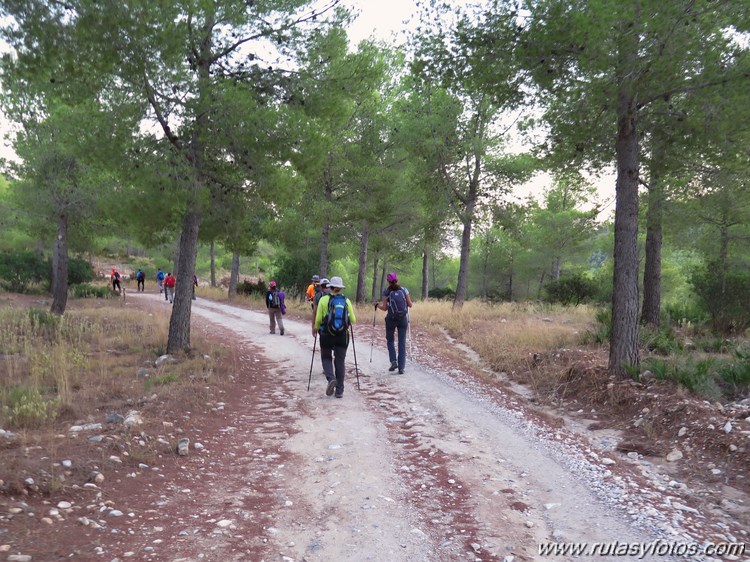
[[336, 282]]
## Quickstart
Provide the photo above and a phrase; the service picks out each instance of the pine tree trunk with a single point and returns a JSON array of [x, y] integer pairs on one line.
[[213, 264], [60, 267], [623, 350], [467, 220], [650, 312], [510, 282], [362, 273], [179, 323], [375, 295], [425, 273], [234, 276], [383, 274]]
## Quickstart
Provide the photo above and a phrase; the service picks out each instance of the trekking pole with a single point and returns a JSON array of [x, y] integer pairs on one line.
[[354, 348], [312, 359], [372, 339], [408, 333]]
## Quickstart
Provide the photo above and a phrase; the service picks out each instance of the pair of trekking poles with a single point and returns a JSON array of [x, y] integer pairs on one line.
[[408, 332], [354, 348]]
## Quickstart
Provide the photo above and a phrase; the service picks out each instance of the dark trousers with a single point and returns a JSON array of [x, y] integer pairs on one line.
[[333, 357], [391, 325], [141, 285]]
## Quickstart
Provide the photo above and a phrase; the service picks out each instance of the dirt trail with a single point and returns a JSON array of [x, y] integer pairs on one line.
[[426, 466], [412, 467]]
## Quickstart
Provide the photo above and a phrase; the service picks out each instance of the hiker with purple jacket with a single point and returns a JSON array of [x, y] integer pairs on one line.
[[276, 307]]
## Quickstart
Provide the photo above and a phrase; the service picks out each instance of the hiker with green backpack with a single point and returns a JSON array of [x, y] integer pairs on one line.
[[334, 316], [396, 302]]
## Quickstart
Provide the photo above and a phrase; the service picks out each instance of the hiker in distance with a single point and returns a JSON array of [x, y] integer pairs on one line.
[[160, 280], [324, 290], [169, 282], [140, 277], [396, 302], [333, 317], [115, 277], [276, 307], [313, 289]]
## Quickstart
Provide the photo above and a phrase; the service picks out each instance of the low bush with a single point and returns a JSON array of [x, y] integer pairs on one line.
[[252, 289], [603, 330], [662, 340], [442, 293], [79, 271], [570, 289], [20, 270], [84, 290], [712, 378], [26, 408]]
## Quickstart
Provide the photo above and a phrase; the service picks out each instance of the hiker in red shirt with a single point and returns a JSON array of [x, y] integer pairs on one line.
[[169, 283]]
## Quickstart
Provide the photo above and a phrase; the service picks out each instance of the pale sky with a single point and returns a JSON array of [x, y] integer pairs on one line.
[[380, 18]]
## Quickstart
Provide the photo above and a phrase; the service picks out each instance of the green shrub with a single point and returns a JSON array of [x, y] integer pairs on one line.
[[603, 330], [735, 374], [710, 378], [20, 270], [79, 271], [682, 313], [249, 289], [442, 293], [570, 289], [723, 298], [161, 380], [711, 343], [84, 290], [26, 408], [41, 319], [662, 340]]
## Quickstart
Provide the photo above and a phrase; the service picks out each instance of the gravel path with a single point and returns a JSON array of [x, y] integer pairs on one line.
[[433, 465], [425, 466]]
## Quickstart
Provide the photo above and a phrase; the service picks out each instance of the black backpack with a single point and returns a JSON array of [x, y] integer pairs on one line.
[[337, 319], [397, 306]]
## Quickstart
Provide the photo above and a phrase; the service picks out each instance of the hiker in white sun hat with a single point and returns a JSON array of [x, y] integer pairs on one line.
[[333, 316]]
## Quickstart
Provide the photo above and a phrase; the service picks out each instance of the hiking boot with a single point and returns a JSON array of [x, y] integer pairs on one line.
[[339, 395], [331, 386], [281, 332], [400, 371], [393, 367], [271, 332]]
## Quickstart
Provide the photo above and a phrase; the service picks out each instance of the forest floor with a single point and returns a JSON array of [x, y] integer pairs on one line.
[[448, 462]]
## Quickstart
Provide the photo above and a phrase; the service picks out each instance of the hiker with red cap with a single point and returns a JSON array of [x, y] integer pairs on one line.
[[276, 307], [396, 302]]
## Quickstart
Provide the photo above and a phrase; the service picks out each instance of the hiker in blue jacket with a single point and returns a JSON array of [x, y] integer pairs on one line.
[[396, 302]]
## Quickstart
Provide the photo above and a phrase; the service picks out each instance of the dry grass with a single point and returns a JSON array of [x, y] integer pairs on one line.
[[505, 335], [54, 369]]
